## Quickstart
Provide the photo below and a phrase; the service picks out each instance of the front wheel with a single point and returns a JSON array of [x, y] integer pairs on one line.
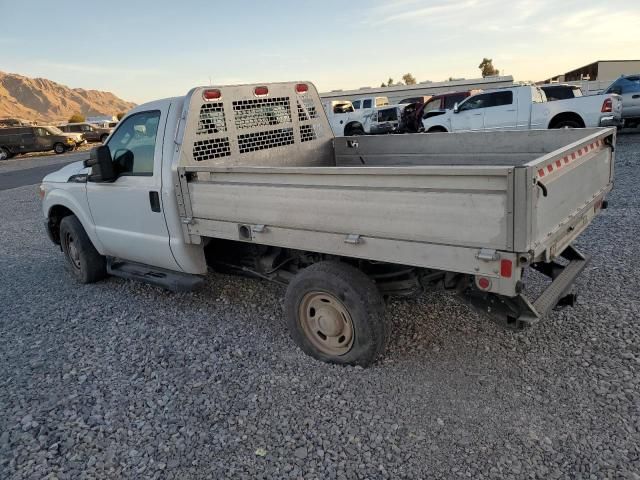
[[335, 313], [5, 154], [59, 148], [86, 264], [104, 137]]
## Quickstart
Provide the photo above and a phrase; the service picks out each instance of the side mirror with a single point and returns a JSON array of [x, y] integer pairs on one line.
[[455, 108], [101, 165], [616, 90]]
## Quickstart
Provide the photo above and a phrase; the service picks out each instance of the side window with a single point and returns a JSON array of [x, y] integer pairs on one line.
[[475, 102], [382, 102], [451, 100], [75, 128], [538, 95], [356, 104], [630, 85], [366, 103], [133, 144], [86, 128], [41, 132], [433, 104], [499, 99]]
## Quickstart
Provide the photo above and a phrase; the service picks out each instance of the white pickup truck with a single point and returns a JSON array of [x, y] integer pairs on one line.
[[250, 179], [526, 107], [347, 120]]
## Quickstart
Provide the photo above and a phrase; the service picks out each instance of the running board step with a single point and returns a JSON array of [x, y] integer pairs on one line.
[[560, 286], [174, 281]]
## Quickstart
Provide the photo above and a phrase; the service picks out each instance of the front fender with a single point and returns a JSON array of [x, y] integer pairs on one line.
[[73, 197]]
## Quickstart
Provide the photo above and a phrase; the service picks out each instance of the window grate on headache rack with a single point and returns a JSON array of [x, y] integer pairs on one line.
[[212, 119], [251, 142], [261, 112], [307, 133], [307, 110], [211, 148]]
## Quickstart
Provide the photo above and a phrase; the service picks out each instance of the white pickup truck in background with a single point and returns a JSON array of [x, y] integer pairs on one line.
[[373, 117], [250, 179], [526, 107]]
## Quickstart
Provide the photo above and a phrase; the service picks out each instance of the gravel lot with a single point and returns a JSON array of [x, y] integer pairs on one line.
[[124, 380]]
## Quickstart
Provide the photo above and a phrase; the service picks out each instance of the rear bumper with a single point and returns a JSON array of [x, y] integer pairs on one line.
[[519, 312], [611, 121]]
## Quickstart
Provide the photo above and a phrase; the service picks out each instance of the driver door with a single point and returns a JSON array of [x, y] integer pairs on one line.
[[471, 113], [127, 213]]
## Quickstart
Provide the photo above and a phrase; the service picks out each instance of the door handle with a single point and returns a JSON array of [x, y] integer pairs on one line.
[[635, 96], [154, 200]]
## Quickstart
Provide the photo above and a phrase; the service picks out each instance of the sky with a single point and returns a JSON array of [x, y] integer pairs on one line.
[[143, 50]]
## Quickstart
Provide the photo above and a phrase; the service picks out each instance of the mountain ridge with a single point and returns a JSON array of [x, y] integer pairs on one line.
[[43, 100]]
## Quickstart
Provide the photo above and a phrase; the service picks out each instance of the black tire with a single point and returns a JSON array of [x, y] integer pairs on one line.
[[5, 154], [567, 124], [356, 293], [354, 131], [59, 148], [84, 261], [437, 130], [103, 137]]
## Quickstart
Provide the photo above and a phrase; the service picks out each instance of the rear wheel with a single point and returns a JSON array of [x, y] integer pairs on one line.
[[86, 264], [437, 130], [59, 148], [5, 154], [103, 137], [567, 124], [335, 313]]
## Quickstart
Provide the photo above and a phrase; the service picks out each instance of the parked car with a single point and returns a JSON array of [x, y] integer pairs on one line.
[[344, 222], [435, 105], [560, 91], [90, 132], [346, 120], [628, 87], [14, 122], [17, 140], [526, 107]]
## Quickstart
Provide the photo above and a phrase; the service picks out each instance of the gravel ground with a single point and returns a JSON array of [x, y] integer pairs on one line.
[[124, 380]]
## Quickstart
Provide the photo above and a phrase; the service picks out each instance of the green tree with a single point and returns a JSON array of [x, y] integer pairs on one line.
[[409, 79], [77, 118], [487, 68]]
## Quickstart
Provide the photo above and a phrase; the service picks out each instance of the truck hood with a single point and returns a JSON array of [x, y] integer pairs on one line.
[[62, 175]]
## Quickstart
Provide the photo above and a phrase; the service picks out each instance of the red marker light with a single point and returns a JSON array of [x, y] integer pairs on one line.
[[260, 91], [211, 94], [506, 268], [302, 88], [484, 283]]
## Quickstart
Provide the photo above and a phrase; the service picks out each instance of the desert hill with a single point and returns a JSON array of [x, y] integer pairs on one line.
[[44, 100]]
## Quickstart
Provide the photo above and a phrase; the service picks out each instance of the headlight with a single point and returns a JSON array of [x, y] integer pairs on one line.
[[70, 140]]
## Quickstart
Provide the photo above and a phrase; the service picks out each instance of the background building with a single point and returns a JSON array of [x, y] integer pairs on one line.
[[604, 71]]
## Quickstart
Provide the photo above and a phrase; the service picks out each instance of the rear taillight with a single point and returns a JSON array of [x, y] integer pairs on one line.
[[260, 91], [211, 94], [607, 106], [302, 88]]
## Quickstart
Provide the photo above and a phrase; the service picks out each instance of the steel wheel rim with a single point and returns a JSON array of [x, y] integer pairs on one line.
[[326, 323], [72, 251], [3, 154], [58, 149]]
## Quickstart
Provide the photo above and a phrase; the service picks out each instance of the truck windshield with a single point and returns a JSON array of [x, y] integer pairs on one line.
[[55, 130]]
